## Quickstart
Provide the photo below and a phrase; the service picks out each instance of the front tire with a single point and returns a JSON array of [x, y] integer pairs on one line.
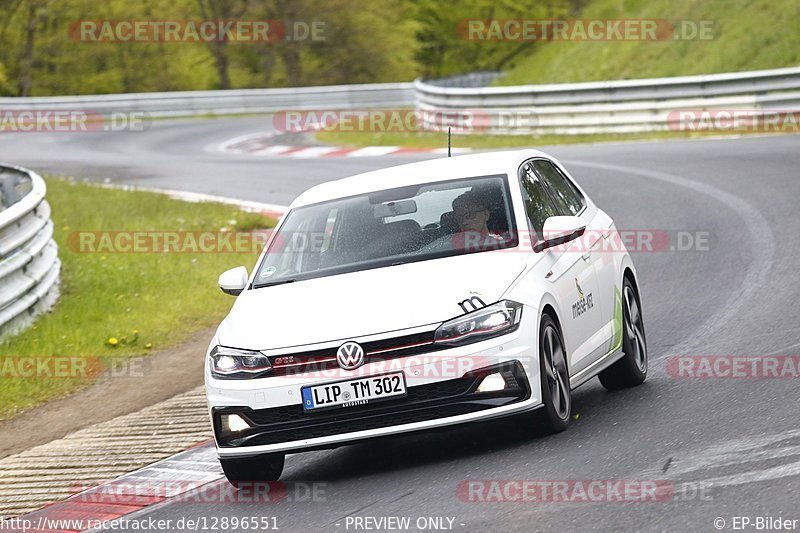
[[631, 370], [266, 467], [553, 416]]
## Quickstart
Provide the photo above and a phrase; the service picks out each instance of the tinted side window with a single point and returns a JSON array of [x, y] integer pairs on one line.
[[569, 200], [538, 204]]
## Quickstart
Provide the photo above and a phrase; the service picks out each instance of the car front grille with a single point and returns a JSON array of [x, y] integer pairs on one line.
[[301, 362]]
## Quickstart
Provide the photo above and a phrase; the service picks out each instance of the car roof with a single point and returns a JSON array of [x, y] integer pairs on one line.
[[440, 169]]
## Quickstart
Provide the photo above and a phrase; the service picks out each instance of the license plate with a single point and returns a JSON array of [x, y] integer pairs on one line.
[[354, 392]]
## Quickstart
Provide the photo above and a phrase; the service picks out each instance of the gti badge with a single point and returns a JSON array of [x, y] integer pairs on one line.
[[350, 355]]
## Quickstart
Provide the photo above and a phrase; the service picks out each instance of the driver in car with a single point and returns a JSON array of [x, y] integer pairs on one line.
[[472, 214]]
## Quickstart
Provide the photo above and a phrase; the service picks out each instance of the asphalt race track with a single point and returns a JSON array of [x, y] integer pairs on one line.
[[726, 446]]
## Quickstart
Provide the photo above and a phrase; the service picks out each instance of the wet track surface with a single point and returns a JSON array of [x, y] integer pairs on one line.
[[737, 439]]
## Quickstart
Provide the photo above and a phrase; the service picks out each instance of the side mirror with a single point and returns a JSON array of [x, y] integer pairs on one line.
[[558, 230], [233, 281]]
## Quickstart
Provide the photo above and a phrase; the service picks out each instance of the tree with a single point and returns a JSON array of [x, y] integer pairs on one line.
[[445, 50], [32, 14], [221, 10]]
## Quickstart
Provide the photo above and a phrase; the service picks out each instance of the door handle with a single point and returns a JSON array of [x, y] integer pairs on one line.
[[586, 256]]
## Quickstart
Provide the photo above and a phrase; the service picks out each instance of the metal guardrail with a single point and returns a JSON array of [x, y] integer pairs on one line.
[[568, 108], [611, 106], [230, 102], [29, 264]]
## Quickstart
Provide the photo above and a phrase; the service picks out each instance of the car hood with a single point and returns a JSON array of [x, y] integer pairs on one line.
[[366, 302]]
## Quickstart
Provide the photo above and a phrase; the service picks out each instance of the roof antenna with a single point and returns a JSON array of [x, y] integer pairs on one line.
[[448, 142]]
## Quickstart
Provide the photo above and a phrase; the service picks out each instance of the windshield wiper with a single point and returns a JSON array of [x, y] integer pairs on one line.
[[279, 282]]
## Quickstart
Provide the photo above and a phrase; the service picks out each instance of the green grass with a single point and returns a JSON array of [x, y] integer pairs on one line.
[[749, 35], [488, 142], [147, 301]]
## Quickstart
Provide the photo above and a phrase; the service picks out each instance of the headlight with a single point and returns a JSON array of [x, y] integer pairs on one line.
[[491, 321], [230, 363]]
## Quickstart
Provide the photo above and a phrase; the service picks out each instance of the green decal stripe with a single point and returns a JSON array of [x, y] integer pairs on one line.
[[616, 341]]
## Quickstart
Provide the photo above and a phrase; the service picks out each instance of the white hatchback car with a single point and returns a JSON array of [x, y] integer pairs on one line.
[[420, 296]]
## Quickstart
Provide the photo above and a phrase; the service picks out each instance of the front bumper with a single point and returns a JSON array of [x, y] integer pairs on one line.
[[280, 426]]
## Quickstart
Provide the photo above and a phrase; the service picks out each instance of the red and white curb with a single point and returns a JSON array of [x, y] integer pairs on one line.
[[263, 144], [61, 468], [186, 475]]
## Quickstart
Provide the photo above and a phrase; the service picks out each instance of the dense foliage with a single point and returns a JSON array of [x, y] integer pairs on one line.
[[362, 42], [365, 41]]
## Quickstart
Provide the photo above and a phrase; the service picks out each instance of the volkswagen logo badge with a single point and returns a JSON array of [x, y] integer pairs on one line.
[[350, 355]]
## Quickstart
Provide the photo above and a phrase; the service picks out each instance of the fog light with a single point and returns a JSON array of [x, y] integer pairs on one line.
[[492, 382], [234, 423]]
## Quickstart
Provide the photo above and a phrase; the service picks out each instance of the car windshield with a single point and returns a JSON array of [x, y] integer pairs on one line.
[[389, 227]]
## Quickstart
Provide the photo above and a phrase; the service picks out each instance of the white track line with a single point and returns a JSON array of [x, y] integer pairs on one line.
[[755, 273], [373, 151], [187, 196], [313, 151], [452, 150], [276, 149]]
